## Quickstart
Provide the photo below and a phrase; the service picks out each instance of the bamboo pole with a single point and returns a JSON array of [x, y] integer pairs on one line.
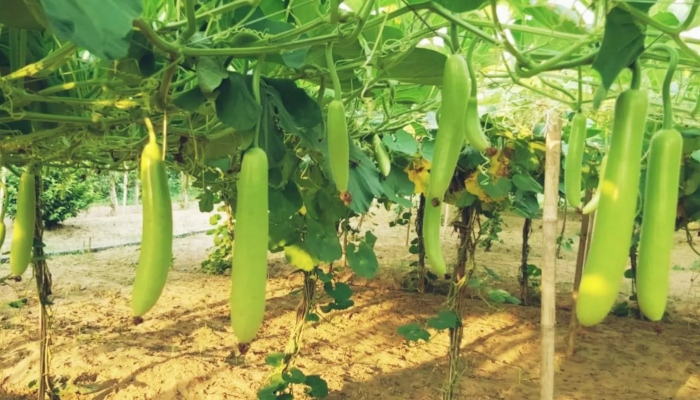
[[551, 207], [125, 189]]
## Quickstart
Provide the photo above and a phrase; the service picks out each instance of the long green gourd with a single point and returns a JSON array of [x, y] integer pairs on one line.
[[612, 232], [22, 245], [448, 144], [155, 257], [660, 205]]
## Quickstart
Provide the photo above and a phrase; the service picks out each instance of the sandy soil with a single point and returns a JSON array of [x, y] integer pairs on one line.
[[184, 348]]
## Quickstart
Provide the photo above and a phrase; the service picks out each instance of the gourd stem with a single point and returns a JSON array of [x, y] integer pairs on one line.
[[636, 76], [470, 66], [257, 73], [666, 88], [334, 73]]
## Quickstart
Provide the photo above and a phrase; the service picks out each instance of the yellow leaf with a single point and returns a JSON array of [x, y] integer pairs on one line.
[[299, 257]]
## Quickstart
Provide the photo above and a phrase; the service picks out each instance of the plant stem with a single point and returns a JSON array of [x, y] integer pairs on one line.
[[191, 21], [470, 66], [666, 88], [49, 63], [233, 5], [333, 72], [257, 73], [636, 76]]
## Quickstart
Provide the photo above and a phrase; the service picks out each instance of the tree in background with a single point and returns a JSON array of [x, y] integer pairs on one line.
[[66, 193]]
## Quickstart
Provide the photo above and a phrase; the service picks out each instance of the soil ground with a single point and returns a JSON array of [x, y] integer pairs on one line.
[[184, 348]]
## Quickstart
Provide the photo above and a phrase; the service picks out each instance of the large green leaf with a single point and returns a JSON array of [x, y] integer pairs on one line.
[[322, 241], [101, 27], [364, 185], [210, 73], [526, 183], [401, 142], [397, 187], [623, 43], [299, 256], [285, 202], [302, 109], [362, 260], [419, 65], [235, 105]]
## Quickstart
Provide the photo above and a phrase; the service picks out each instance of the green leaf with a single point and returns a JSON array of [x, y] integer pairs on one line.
[[322, 241], [364, 185], [667, 18], [401, 142], [341, 292], [695, 155], [427, 148], [494, 189], [526, 205], [623, 43], [417, 65], [312, 317], [297, 255], [294, 376], [299, 111], [525, 156], [370, 239], [447, 319], [413, 332], [285, 202], [305, 11], [284, 232], [629, 274], [190, 100], [206, 201], [269, 392], [533, 270], [397, 187], [363, 261], [18, 303], [210, 73], [527, 183], [274, 359], [318, 388], [324, 277], [465, 200], [493, 274], [100, 27], [235, 105], [498, 295], [512, 300]]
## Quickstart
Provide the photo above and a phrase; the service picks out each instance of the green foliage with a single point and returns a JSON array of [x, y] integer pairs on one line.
[[490, 230], [100, 27], [280, 386], [219, 258], [65, 194], [623, 42]]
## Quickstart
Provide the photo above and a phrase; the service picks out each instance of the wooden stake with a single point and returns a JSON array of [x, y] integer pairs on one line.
[[549, 229], [125, 189], [580, 259], [113, 200]]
